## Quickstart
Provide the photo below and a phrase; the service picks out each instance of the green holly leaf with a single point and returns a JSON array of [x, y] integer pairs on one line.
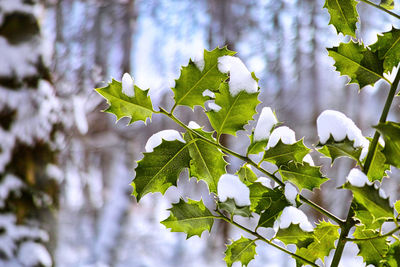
[[302, 175], [388, 4], [271, 214], [191, 217], [246, 175], [193, 82], [294, 235], [397, 206], [378, 165], [256, 147], [283, 153], [387, 47], [365, 217], [261, 197], [230, 206], [242, 250], [138, 108], [236, 111], [344, 15], [391, 135], [207, 161], [393, 255], [345, 148], [368, 197], [325, 234], [160, 169], [373, 251], [359, 63]]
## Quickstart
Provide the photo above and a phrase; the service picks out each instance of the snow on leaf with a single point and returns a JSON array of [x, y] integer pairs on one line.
[[357, 178], [302, 175], [388, 49], [373, 251], [235, 111], [359, 63], [207, 161], [391, 135], [191, 84], [160, 169], [138, 108], [156, 139], [294, 235], [191, 217], [230, 186], [242, 250], [265, 124], [282, 153], [344, 15]]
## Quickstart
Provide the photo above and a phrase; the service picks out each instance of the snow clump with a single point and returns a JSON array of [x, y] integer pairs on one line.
[[240, 78], [167, 135], [208, 93], [265, 122], [193, 125], [127, 85], [307, 158], [291, 193], [284, 133], [291, 215], [214, 107], [266, 182], [357, 178], [198, 60], [230, 186]]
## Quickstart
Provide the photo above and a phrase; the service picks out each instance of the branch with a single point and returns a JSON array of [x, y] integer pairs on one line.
[[381, 8]]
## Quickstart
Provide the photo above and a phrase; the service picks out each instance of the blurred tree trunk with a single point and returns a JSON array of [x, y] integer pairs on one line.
[[29, 198]]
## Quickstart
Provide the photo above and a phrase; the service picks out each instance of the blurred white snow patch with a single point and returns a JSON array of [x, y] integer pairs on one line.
[[127, 85], [240, 78], [335, 123], [284, 133], [80, 114], [193, 125], [307, 158], [10, 184], [198, 60], [214, 107], [382, 193], [266, 182], [265, 122], [34, 254], [167, 135], [357, 178], [291, 193], [208, 93], [230, 186], [54, 172], [291, 215]]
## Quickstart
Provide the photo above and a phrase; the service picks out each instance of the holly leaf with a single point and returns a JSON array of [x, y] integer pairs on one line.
[[387, 47], [246, 175], [283, 153], [256, 147], [207, 161], [344, 15], [230, 206], [345, 148], [160, 169], [261, 197], [138, 108], [397, 206], [302, 175], [365, 217], [393, 255], [388, 4], [236, 111], [294, 235], [190, 217], [191, 84], [359, 63], [373, 251], [325, 234], [271, 214], [368, 196], [391, 135], [378, 165], [242, 250]]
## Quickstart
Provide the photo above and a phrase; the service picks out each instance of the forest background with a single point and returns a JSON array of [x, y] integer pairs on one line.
[[65, 167]]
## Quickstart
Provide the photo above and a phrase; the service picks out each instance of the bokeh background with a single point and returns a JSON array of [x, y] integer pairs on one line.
[[65, 167]]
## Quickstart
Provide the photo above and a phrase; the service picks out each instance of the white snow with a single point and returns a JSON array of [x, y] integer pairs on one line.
[[198, 60], [80, 114], [307, 158], [193, 125], [283, 133], [240, 78], [357, 178], [34, 254], [167, 135], [291, 193], [214, 106], [382, 193], [266, 182], [265, 122], [335, 123], [128, 85], [230, 186], [9, 184], [291, 215], [208, 93]]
